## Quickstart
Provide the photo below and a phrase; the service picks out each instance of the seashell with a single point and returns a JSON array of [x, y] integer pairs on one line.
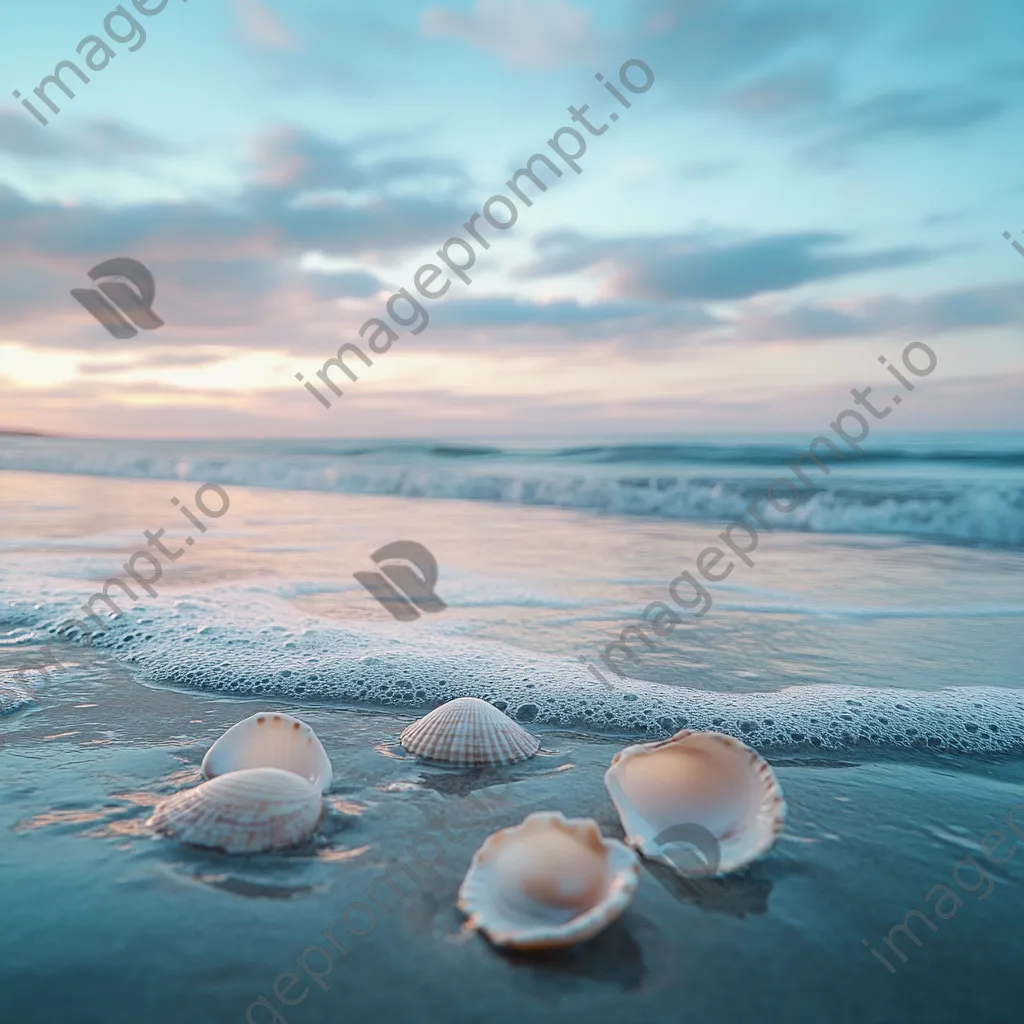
[[14, 696], [271, 740], [547, 882], [244, 811], [469, 732], [704, 790]]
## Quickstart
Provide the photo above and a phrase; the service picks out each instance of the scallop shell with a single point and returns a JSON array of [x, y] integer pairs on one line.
[[469, 732], [700, 793], [548, 882], [271, 740], [245, 811]]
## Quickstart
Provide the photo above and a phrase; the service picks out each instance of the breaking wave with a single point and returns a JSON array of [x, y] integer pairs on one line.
[[960, 494]]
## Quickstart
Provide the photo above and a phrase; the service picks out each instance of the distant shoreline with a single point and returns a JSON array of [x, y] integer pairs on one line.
[[25, 433]]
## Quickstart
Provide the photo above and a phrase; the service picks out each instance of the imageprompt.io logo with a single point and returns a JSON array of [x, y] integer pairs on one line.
[[133, 299], [694, 852], [407, 577]]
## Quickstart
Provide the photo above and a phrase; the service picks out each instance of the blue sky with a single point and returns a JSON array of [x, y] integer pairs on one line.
[[804, 186]]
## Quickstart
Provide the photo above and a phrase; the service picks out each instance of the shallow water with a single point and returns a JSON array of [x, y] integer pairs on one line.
[[826, 641]]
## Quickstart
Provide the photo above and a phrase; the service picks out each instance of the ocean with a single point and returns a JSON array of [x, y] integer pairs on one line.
[[949, 489]]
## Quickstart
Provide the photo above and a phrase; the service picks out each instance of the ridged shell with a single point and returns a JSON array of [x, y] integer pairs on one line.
[[548, 882], [245, 811], [469, 732], [709, 796], [271, 740]]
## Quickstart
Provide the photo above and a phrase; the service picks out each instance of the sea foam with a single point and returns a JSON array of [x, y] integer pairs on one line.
[[249, 641]]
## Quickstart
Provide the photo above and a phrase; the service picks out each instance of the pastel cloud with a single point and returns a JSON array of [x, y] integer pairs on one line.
[[962, 309], [539, 34], [920, 113], [710, 267], [263, 28], [101, 142], [232, 260]]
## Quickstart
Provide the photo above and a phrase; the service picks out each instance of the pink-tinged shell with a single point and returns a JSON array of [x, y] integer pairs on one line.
[[705, 782], [271, 740], [547, 882], [245, 811], [468, 732]]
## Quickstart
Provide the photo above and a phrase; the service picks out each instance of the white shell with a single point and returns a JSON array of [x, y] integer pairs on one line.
[[245, 811], [547, 882], [694, 785], [469, 732], [270, 740], [14, 696]]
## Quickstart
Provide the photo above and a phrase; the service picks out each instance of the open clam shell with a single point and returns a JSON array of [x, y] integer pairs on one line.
[[468, 732], [245, 811], [702, 803], [271, 740], [547, 882]]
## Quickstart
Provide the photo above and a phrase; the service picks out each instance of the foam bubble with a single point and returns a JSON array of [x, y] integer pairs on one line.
[[249, 642]]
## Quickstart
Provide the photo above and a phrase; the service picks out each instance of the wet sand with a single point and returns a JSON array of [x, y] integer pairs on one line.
[[116, 925]]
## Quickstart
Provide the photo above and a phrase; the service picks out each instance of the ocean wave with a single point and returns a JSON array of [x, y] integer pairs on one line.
[[771, 455], [251, 643], [944, 508]]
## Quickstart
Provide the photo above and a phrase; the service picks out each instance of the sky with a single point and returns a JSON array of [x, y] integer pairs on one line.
[[795, 188]]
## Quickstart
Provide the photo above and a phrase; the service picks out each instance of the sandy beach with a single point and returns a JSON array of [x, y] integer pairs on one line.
[[121, 925]]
